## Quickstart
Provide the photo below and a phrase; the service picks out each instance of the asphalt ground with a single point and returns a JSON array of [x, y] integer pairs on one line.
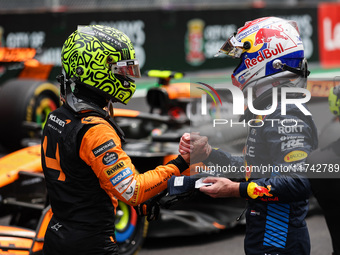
[[230, 241]]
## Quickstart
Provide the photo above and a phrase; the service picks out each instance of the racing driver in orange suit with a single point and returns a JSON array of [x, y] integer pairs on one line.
[[85, 167]]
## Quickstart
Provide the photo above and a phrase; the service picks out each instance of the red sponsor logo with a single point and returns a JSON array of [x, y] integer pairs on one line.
[[328, 30], [135, 194], [262, 55], [260, 191], [269, 199], [265, 35]]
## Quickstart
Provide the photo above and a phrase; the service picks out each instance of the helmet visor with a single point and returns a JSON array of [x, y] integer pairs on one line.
[[231, 47], [128, 68]]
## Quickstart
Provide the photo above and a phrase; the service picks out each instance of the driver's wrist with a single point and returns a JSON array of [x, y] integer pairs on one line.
[[180, 163], [236, 189]]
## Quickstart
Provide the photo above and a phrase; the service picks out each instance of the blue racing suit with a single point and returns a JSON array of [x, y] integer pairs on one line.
[[276, 185]]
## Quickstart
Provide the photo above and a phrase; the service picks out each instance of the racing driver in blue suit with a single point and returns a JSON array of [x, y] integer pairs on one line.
[[272, 56]]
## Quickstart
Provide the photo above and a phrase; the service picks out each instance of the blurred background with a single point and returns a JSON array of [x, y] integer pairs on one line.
[[177, 35]]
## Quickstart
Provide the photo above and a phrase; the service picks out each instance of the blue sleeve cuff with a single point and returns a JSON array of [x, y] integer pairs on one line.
[[180, 184], [243, 189]]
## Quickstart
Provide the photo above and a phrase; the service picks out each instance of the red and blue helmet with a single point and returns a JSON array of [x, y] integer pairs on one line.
[[271, 53]]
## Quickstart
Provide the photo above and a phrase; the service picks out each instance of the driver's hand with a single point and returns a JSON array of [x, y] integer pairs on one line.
[[194, 148], [184, 144], [149, 208]]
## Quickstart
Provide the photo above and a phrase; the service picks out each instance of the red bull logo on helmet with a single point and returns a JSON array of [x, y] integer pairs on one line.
[[263, 55], [265, 35]]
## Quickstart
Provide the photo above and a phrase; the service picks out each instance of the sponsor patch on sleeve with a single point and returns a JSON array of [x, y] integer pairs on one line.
[[135, 194], [121, 176], [124, 184], [128, 193], [110, 158], [295, 156], [103, 148], [109, 172]]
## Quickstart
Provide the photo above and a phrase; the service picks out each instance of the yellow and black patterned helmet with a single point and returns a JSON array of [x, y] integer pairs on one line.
[[102, 59], [334, 100]]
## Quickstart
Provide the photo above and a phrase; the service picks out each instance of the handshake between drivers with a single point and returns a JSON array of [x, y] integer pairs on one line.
[[194, 148]]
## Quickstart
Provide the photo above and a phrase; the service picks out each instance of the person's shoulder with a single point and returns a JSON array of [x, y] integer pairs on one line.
[[93, 120]]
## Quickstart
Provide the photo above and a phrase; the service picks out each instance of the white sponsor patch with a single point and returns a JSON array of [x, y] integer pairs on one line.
[[290, 129], [121, 176], [178, 181], [128, 193], [291, 144], [124, 184]]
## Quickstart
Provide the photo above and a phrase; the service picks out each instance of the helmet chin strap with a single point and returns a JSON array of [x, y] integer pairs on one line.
[[302, 71], [279, 79]]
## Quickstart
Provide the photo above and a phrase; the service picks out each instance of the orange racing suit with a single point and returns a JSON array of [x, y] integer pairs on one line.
[[86, 173]]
